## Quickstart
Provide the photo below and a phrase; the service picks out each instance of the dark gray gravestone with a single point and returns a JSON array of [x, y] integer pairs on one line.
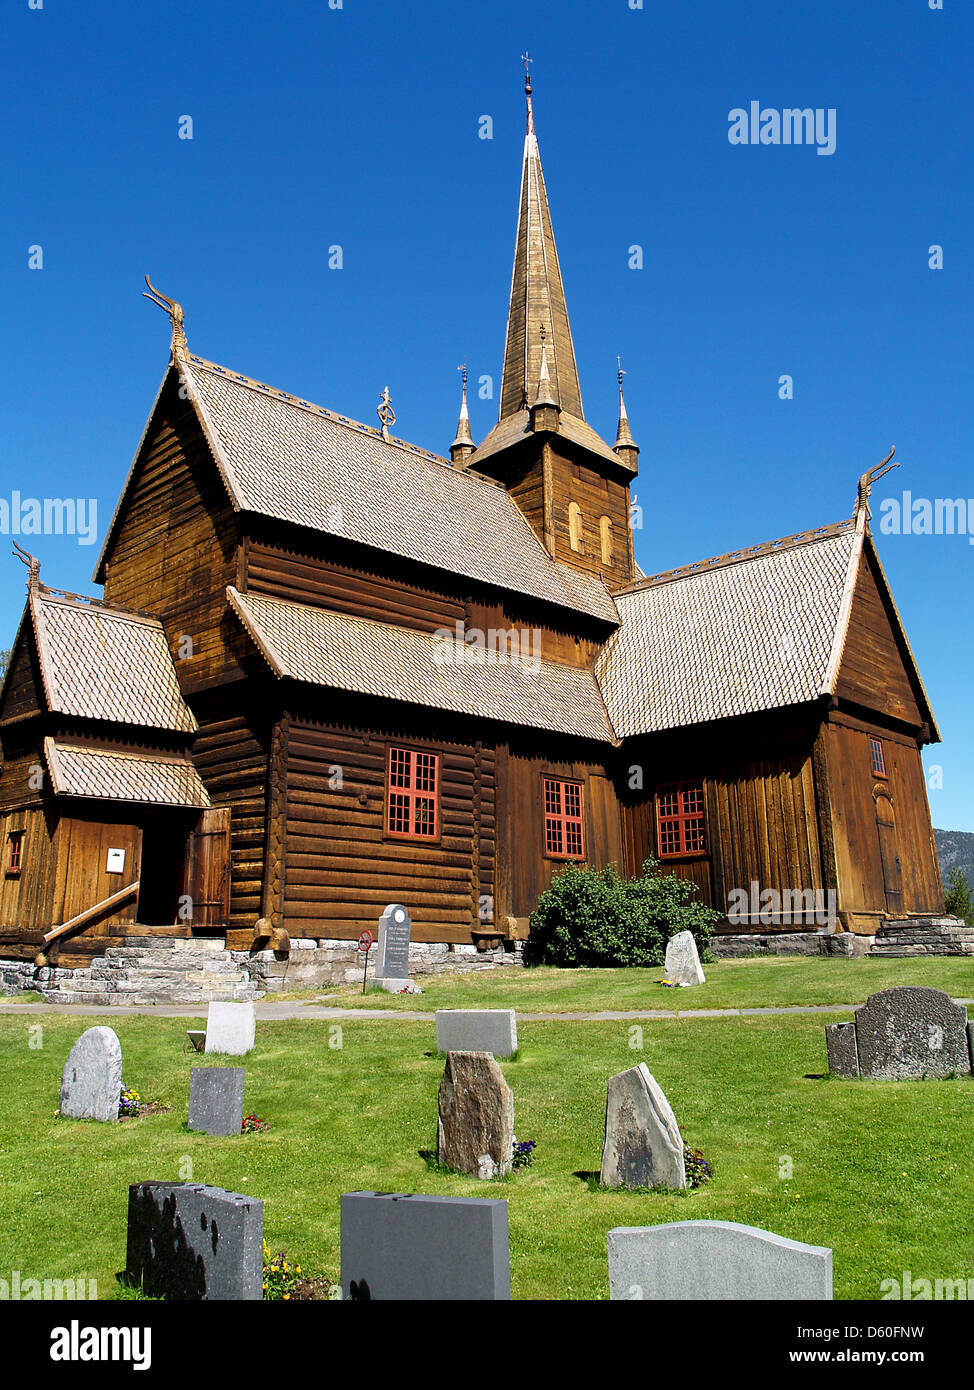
[[840, 1043], [192, 1242], [91, 1082], [907, 1033], [392, 962], [216, 1099], [400, 1246]]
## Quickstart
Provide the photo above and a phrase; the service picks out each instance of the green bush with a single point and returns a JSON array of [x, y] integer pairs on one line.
[[594, 917], [959, 901]]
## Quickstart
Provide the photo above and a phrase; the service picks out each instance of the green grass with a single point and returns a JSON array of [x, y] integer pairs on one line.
[[880, 1171], [731, 984]]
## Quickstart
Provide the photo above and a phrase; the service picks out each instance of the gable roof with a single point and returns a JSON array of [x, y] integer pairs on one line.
[[104, 663], [756, 630], [282, 457], [322, 647]]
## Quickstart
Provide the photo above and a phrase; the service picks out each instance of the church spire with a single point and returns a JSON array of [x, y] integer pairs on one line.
[[625, 446], [537, 297], [463, 446]]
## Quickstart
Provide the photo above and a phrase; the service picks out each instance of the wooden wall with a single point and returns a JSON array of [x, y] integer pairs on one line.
[[341, 870], [873, 672], [853, 788], [175, 547]]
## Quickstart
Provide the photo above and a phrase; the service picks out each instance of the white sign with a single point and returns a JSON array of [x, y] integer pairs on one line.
[[116, 861]]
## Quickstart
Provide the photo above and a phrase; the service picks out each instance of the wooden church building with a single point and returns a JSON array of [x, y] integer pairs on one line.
[[332, 670]]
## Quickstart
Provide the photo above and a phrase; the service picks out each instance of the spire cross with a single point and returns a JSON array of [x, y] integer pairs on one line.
[[385, 412], [527, 59], [622, 371], [462, 367]]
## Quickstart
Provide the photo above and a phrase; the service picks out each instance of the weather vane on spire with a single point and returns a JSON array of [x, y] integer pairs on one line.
[[622, 371], [526, 59]]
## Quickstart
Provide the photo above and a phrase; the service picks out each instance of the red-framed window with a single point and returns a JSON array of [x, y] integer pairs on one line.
[[412, 794], [680, 819], [564, 831], [15, 850], [878, 758]]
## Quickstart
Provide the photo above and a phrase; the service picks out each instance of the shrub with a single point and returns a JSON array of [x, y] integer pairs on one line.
[[594, 917], [959, 902]]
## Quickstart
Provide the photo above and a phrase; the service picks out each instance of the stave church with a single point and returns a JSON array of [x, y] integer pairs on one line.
[[332, 670]]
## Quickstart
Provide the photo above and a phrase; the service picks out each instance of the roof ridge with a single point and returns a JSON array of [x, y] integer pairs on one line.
[[88, 602], [734, 557], [301, 404]]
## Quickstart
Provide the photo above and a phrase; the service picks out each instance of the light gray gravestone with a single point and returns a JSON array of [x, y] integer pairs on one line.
[[643, 1146], [475, 1133], [392, 958], [216, 1099], [193, 1242], [91, 1082], [840, 1043], [230, 1028], [413, 1247], [476, 1030], [683, 960], [908, 1033], [699, 1260]]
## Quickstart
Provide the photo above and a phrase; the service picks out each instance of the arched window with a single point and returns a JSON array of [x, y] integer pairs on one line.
[[575, 526], [605, 533]]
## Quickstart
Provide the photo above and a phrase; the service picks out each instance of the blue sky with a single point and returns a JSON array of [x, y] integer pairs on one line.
[[358, 127]]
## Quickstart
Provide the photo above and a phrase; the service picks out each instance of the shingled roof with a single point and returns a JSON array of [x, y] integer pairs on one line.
[[123, 775], [280, 456], [754, 631], [103, 663], [397, 663]]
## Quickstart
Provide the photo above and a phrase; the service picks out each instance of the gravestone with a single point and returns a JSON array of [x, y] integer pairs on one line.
[[840, 1044], [683, 961], [699, 1260], [231, 1028], [191, 1241], [475, 1133], [643, 1146], [401, 1246], [909, 1033], [216, 1099], [91, 1082], [392, 960], [476, 1030]]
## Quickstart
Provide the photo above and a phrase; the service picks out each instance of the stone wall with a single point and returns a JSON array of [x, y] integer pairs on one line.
[[335, 962], [800, 943]]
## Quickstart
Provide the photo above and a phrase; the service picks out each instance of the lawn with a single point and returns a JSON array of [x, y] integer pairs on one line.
[[879, 1171], [774, 982]]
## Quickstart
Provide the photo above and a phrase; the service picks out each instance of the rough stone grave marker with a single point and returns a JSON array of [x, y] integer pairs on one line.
[[476, 1030], [401, 1246], [683, 960], [193, 1242], [91, 1082], [702, 1260], [216, 1099], [643, 1146], [475, 1133], [907, 1033], [392, 960], [230, 1028]]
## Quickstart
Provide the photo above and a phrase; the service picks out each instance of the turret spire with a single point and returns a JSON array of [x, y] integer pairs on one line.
[[463, 446], [537, 296], [625, 446]]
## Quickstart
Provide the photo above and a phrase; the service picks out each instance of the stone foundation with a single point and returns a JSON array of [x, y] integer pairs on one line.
[[799, 943], [323, 962]]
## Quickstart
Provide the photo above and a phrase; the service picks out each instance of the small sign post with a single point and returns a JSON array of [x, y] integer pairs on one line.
[[365, 946]]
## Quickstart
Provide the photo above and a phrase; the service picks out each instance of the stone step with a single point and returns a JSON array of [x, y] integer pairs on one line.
[[152, 970]]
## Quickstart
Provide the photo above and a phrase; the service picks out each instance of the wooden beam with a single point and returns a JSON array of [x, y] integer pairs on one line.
[[90, 913]]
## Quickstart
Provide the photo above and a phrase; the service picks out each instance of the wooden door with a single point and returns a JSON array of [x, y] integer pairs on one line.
[[892, 873], [206, 879]]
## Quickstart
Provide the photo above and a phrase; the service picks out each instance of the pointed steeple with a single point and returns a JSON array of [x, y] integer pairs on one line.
[[537, 297], [463, 446], [625, 446]]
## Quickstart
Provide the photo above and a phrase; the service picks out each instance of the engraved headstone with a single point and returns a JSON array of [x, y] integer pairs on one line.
[[402, 1246], [714, 1260], [91, 1082], [216, 1099], [476, 1030], [190, 1241], [643, 1146], [230, 1028], [392, 960], [907, 1033], [683, 960], [475, 1133], [840, 1044]]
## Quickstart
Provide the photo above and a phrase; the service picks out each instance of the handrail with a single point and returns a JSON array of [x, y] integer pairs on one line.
[[90, 912]]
